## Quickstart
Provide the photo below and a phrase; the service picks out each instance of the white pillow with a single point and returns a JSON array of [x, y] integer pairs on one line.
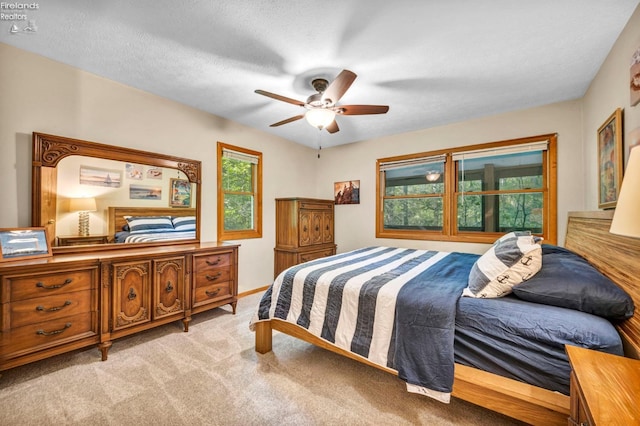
[[515, 257]]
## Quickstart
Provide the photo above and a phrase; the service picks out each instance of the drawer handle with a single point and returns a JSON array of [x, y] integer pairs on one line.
[[317, 228], [132, 294], [51, 333], [55, 308], [169, 287], [212, 263], [214, 277], [212, 293], [50, 287], [304, 228]]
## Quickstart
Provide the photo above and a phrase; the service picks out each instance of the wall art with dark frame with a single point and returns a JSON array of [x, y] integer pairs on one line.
[[610, 160]]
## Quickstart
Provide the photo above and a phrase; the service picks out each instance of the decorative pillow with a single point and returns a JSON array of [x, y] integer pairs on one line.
[[513, 258], [144, 224], [184, 223], [569, 281]]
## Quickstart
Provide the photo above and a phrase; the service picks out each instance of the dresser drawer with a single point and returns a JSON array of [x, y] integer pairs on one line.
[[208, 262], [49, 284], [35, 337], [306, 257], [211, 293], [211, 276], [31, 311]]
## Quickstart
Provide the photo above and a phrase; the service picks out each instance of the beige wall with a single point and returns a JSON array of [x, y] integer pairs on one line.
[[608, 91], [41, 95], [46, 96]]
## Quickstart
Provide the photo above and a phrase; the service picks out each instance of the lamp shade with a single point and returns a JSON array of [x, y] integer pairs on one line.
[[626, 218], [82, 204], [320, 117]]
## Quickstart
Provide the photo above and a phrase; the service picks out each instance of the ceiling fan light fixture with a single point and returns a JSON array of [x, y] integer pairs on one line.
[[432, 176], [320, 117]]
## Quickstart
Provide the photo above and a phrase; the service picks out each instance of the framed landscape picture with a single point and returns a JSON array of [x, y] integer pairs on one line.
[[23, 243], [180, 193], [610, 160]]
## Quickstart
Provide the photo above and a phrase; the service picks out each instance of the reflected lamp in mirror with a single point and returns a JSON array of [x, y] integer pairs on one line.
[[432, 176], [83, 206], [626, 217]]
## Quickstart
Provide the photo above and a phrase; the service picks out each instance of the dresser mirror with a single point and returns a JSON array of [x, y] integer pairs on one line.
[[87, 193]]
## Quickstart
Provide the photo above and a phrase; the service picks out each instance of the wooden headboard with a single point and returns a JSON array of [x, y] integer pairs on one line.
[[615, 256], [117, 221]]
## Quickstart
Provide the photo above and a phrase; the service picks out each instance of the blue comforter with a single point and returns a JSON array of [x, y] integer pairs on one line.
[[393, 306]]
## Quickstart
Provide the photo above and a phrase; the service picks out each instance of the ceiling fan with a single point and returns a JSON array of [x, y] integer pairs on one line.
[[321, 107]]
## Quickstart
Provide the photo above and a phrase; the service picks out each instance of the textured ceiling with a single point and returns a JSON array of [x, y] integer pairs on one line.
[[433, 62]]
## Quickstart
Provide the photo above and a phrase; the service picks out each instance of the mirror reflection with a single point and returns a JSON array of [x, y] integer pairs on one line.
[[92, 194], [86, 194]]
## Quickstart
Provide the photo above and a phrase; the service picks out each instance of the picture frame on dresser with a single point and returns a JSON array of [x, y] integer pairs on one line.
[[23, 243]]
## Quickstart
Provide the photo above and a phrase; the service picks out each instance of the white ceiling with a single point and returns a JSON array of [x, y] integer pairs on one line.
[[433, 62]]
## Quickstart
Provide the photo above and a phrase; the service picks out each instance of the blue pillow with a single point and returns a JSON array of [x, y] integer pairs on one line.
[[184, 223], [569, 281], [144, 224]]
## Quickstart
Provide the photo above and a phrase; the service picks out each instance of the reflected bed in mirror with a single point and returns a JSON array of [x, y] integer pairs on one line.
[[115, 182]]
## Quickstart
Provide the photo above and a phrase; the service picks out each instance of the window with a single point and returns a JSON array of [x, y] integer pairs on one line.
[[239, 193], [470, 194]]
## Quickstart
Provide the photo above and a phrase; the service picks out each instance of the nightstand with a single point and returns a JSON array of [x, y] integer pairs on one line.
[[605, 388], [81, 240]]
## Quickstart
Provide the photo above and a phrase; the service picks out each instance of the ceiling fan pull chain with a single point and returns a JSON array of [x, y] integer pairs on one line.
[[319, 141]]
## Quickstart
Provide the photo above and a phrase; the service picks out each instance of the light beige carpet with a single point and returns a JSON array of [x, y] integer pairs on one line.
[[212, 376]]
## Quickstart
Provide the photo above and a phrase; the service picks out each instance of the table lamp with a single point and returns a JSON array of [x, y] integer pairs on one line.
[[83, 206], [626, 217]]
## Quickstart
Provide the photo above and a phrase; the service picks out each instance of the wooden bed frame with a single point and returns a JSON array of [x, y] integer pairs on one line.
[[588, 235], [116, 215]]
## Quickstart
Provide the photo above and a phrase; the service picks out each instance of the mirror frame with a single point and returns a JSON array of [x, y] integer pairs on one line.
[[47, 152]]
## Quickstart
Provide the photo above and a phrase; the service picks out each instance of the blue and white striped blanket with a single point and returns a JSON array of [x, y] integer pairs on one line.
[[394, 306]]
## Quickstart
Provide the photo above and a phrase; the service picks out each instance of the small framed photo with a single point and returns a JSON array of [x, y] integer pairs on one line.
[[347, 192], [179, 193], [610, 160], [23, 243]]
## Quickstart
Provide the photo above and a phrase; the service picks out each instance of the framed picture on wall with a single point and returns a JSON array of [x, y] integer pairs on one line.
[[635, 78], [610, 160], [23, 243], [347, 192], [180, 193]]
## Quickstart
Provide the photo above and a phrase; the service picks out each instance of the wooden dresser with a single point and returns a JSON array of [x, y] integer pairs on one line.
[[304, 231], [58, 304], [605, 388]]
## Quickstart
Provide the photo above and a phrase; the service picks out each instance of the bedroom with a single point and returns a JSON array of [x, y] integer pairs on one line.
[[43, 95]]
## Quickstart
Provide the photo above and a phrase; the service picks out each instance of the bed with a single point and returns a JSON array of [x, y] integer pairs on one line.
[[151, 224], [485, 371]]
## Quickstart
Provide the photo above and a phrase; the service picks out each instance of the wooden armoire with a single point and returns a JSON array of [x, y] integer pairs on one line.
[[304, 231]]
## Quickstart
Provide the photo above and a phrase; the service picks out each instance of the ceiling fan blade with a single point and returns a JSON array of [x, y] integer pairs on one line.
[[288, 120], [279, 97], [333, 127], [338, 87], [362, 109]]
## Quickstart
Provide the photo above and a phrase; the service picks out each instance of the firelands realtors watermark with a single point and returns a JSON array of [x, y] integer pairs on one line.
[[18, 13]]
